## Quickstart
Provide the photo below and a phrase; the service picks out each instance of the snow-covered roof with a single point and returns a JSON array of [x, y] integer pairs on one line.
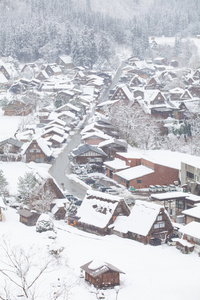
[[57, 138], [192, 229], [87, 148], [60, 122], [97, 267], [97, 208], [135, 154], [134, 172], [71, 106], [66, 59], [43, 145], [98, 134], [192, 212], [140, 220], [56, 207], [116, 164], [67, 114], [54, 129], [109, 141], [193, 198], [3, 79], [169, 195]]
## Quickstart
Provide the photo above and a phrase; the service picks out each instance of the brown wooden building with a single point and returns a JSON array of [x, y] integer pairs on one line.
[[88, 154], [146, 221], [28, 217], [101, 275], [38, 152], [17, 108], [97, 211]]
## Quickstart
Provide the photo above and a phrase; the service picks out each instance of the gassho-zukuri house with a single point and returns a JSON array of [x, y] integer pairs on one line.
[[102, 214]]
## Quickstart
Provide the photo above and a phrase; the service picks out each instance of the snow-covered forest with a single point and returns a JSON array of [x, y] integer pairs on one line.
[[90, 32]]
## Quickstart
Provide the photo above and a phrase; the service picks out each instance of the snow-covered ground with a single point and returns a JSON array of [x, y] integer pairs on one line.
[[8, 125], [161, 272]]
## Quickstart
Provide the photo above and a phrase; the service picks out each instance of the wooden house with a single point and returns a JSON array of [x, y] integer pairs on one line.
[[17, 108], [192, 214], [56, 141], [191, 233], [112, 146], [196, 75], [162, 112], [59, 211], [67, 116], [94, 138], [38, 151], [42, 75], [69, 107], [122, 93], [160, 61], [146, 221], [53, 70], [155, 97], [101, 274], [153, 84], [65, 61], [175, 94], [10, 149], [136, 81], [88, 154], [98, 211], [28, 217], [50, 131]]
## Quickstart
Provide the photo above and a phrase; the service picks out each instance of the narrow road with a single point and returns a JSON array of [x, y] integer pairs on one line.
[[61, 167]]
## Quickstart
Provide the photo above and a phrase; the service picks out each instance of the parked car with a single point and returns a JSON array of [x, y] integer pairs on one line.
[[89, 181], [158, 188], [112, 192], [172, 187], [155, 242], [165, 188], [103, 189], [152, 189]]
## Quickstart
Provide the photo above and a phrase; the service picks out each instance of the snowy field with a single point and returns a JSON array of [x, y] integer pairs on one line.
[[161, 272], [8, 125]]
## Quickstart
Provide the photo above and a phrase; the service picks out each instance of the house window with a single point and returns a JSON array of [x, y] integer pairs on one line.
[[190, 175], [31, 150], [98, 159], [38, 150], [159, 218], [159, 225], [139, 181]]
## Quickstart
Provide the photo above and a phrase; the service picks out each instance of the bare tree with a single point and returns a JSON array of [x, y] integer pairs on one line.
[[21, 270], [137, 127]]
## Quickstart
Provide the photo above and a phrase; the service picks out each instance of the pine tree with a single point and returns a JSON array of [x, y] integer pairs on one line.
[[27, 188], [3, 185]]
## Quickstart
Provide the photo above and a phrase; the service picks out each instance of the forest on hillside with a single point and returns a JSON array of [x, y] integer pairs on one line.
[[43, 29]]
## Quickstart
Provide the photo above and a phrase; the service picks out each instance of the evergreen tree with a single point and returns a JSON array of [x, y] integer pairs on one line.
[[3, 185], [27, 188]]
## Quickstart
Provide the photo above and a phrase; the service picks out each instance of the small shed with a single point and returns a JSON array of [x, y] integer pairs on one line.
[[28, 217], [59, 211], [101, 274], [184, 246]]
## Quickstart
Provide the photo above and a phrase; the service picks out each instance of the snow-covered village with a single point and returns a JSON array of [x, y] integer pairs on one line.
[[99, 150]]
